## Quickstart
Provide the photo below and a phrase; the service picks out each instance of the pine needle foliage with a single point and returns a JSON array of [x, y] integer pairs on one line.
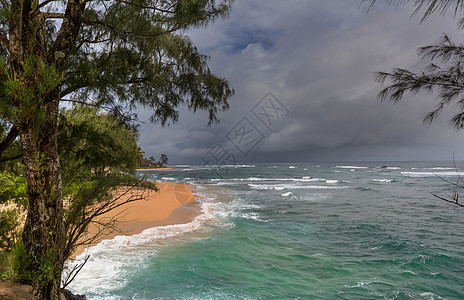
[[115, 56], [443, 74]]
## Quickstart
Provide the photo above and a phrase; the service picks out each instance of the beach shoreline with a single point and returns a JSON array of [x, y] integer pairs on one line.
[[172, 204]]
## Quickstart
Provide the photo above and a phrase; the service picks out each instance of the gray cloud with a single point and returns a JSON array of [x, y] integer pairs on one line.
[[318, 58]]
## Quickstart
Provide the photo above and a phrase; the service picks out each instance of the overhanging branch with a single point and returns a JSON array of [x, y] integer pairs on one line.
[[9, 139]]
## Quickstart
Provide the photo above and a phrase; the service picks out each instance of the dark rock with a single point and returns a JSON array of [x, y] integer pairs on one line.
[[70, 296]]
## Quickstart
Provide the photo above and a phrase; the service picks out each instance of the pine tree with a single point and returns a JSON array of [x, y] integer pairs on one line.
[[114, 55], [444, 74]]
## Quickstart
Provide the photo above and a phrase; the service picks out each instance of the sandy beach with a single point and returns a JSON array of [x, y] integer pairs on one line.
[[174, 203]]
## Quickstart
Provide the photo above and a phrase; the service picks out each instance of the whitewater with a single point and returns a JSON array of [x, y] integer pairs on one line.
[[294, 231]]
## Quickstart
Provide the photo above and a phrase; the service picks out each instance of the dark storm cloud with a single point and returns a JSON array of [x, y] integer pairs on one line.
[[318, 58]]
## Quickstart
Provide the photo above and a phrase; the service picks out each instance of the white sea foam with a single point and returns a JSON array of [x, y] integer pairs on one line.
[[315, 197], [280, 187], [237, 208], [393, 168], [363, 283], [238, 166], [292, 167], [434, 168], [168, 178], [110, 260], [429, 174], [430, 296], [350, 167], [303, 179], [287, 194], [382, 180], [331, 181]]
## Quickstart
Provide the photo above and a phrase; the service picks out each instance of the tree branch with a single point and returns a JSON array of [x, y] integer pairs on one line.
[[129, 33], [5, 159], [68, 34], [9, 139], [4, 40], [454, 201], [166, 11], [50, 15]]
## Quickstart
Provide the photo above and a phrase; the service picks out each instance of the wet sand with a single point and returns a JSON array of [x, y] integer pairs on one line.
[[174, 203]]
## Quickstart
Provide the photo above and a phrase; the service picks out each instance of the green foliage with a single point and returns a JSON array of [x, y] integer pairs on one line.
[[151, 162], [99, 153], [21, 271], [164, 159], [112, 57], [13, 186], [9, 225], [12, 190], [146, 60], [19, 261], [4, 264], [97, 141]]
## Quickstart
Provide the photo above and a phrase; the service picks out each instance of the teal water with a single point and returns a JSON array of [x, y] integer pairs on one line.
[[295, 231]]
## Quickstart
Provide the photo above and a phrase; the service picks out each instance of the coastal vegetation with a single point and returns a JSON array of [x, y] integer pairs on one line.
[[151, 162], [72, 74]]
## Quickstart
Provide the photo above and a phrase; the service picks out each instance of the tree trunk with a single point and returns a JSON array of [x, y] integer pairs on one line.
[[44, 234]]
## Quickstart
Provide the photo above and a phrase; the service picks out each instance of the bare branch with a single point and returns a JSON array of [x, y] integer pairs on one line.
[[454, 201], [73, 273], [91, 216]]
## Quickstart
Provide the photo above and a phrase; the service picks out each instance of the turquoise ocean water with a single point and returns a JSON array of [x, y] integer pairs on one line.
[[294, 231]]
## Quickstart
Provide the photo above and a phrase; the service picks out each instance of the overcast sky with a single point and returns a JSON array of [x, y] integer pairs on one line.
[[317, 59]]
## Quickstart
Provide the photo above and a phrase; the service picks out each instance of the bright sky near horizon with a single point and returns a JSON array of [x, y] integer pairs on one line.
[[317, 59]]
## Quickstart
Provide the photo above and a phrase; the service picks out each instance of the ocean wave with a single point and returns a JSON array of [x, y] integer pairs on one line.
[[280, 187], [315, 197], [382, 180], [434, 168], [109, 261], [429, 174], [350, 167], [238, 166], [303, 179], [363, 283], [331, 181]]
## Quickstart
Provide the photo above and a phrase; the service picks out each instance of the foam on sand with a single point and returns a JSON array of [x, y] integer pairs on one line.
[[111, 259], [173, 204]]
